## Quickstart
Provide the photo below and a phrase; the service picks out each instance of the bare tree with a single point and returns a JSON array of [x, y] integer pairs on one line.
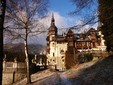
[[23, 15], [88, 9], [104, 10], [2, 14]]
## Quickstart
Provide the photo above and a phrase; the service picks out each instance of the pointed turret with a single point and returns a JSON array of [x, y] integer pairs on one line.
[[52, 20], [99, 25], [52, 28], [71, 38]]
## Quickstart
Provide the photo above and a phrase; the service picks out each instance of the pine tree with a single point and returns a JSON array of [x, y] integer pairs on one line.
[[105, 9], [106, 18]]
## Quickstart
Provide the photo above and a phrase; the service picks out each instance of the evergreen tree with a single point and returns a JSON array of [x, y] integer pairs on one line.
[[105, 8], [106, 18]]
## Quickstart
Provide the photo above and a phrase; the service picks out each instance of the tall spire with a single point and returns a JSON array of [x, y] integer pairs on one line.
[[52, 20], [99, 25], [53, 28]]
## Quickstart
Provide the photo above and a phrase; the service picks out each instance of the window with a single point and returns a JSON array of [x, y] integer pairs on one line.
[[53, 54], [54, 60], [53, 38], [48, 62], [62, 51], [62, 57], [53, 43], [62, 60]]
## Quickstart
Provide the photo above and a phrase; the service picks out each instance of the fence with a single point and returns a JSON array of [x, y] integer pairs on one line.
[[14, 67]]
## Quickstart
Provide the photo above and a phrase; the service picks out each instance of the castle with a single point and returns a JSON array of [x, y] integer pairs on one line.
[[57, 45]]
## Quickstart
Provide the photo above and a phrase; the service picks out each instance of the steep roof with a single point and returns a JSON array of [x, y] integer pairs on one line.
[[90, 30], [70, 33], [53, 27]]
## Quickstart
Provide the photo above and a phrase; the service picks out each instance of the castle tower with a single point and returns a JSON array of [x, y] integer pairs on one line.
[[70, 58], [51, 43], [102, 45], [52, 28], [71, 38], [52, 33]]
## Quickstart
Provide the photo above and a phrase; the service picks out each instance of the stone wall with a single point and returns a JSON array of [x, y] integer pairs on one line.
[[9, 80], [13, 72]]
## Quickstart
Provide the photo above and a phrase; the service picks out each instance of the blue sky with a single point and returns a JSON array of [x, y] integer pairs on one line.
[[64, 7], [61, 10], [61, 6]]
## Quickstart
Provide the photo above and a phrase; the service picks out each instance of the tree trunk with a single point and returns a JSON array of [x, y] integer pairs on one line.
[[2, 14], [27, 57]]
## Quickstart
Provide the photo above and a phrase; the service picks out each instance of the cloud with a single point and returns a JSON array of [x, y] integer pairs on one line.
[[79, 22], [61, 22]]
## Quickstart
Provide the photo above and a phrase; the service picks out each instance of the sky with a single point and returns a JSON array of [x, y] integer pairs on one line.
[[61, 10], [61, 6]]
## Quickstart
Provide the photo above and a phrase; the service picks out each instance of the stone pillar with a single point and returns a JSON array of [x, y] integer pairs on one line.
[[15, 66], [4, 63]]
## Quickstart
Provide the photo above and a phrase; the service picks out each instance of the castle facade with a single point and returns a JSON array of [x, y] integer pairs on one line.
[[57, 45]]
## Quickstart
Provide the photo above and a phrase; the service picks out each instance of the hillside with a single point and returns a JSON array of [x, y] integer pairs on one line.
[[17, 51], [33, 48], [98, 72], [92, 73]]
